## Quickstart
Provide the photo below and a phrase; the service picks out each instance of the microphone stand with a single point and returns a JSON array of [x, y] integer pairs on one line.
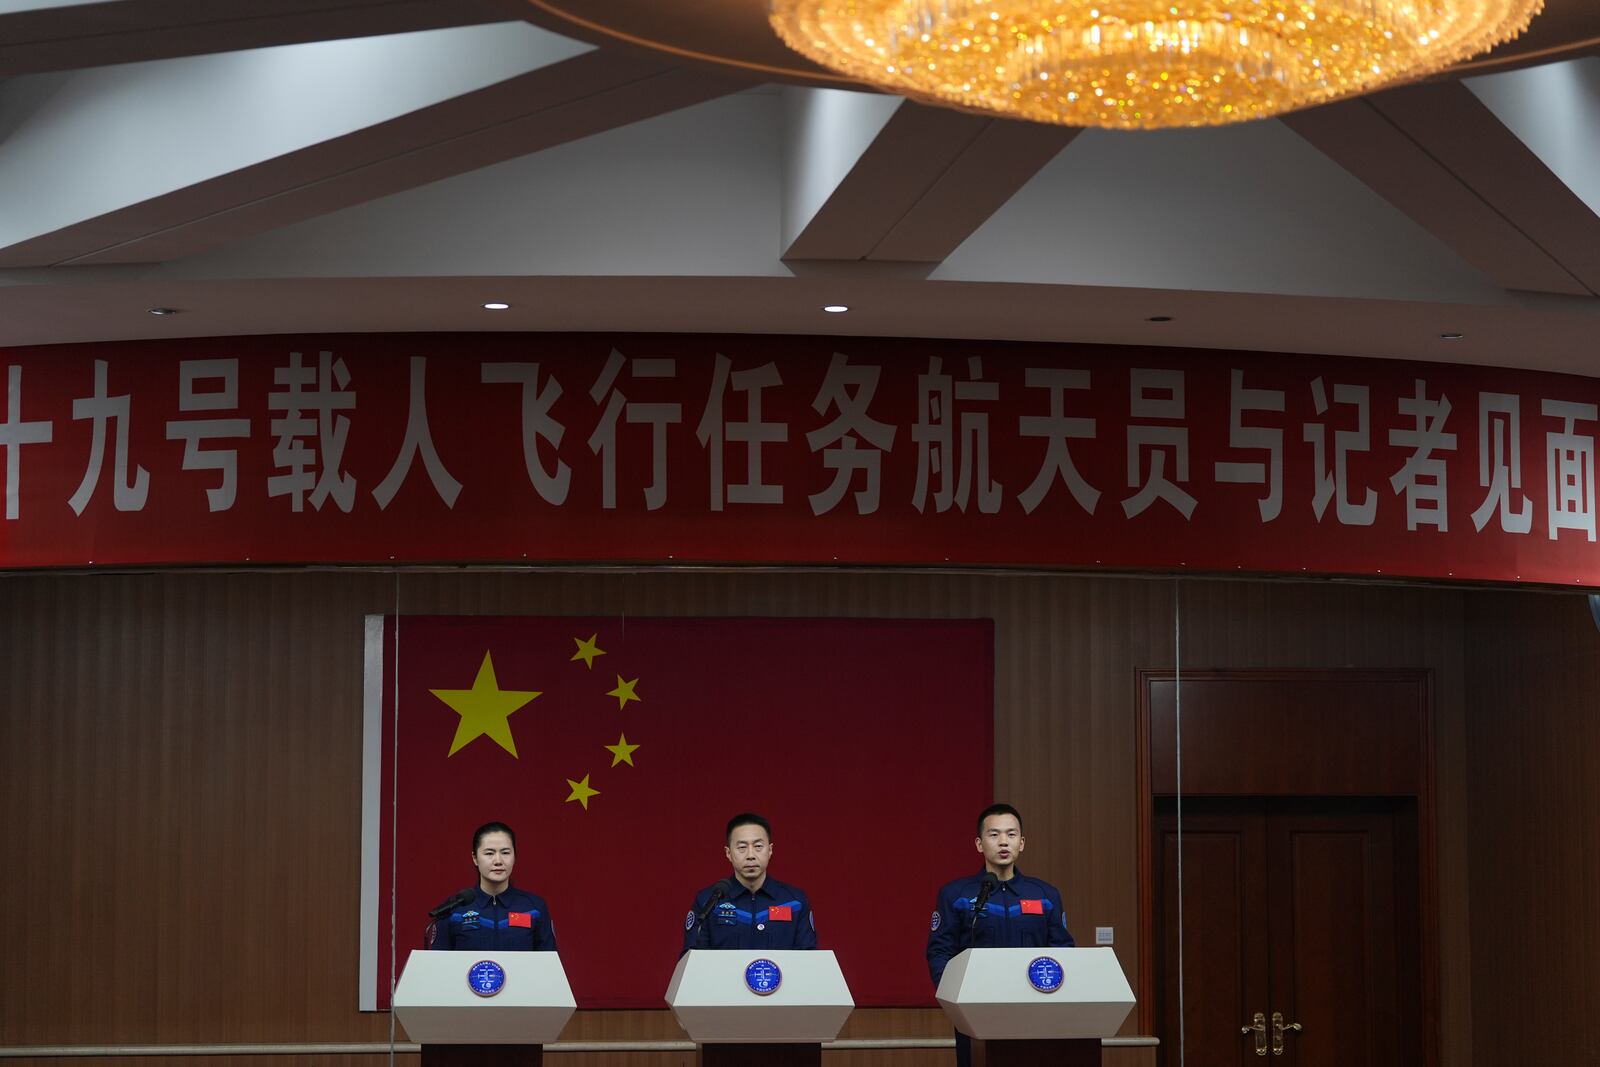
[[718, 892], [984, 890], [431, 932]]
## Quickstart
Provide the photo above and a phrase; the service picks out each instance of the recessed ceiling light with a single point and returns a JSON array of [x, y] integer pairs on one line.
[[163, 311], [1158, 318], [496, 305], [1451, 336], [835, 309]]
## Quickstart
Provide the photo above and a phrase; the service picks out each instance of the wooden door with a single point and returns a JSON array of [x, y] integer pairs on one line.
[[1225, 964], [1290, 906]]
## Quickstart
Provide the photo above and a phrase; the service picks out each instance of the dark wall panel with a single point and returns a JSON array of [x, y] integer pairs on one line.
[[1534, 756]]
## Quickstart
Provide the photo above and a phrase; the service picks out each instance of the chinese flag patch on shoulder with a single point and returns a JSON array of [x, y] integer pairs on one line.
[[1033, 907], [780, 913], [521, 918]]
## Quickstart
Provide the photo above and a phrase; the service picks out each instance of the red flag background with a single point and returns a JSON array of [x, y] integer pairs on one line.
[[868, 743]]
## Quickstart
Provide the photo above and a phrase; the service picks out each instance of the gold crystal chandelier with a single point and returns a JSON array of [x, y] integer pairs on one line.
[[1142, 64]]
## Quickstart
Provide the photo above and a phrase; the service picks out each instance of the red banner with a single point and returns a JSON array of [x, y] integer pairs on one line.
[[618, 749], [791, 450]]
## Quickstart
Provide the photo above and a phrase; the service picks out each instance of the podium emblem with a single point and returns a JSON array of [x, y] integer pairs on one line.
[[762, 977], [1046, 974], [486, 978]]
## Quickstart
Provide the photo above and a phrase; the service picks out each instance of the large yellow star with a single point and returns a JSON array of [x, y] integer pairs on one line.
[[484, 709], [624, 692], [581, 792], [587, 650], [621, 752]]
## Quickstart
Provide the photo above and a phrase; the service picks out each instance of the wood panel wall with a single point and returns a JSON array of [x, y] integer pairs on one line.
[[180, 769], [1534, 763]]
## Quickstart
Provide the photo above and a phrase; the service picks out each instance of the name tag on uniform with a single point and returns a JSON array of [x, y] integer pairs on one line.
[[1033, 907], [521, 918], [781, 913]]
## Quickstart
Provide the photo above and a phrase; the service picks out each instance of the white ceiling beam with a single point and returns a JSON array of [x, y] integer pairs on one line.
[[1249, 208], [1442, 157], [996, 163], [1551, 110], [694, 192], [46, 35], [1527, 142], [825, 133], [875, 178], [150, 162]]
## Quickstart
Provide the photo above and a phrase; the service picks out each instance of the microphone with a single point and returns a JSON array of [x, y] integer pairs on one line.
[[466, 896], [718, 891], [985, 889]]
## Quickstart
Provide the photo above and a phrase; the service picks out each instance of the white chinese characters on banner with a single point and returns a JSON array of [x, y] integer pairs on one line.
[[1057, 429], [1258, 439], [250, 431], [849, 390], [418, 439], [603, 441], [1500, 463], [224, 397], [953, 449], [321, 391], [100, 408], [714, 431], [1333, 483], [1157, 394], [1570, 468], [1422, 477], [537, 424], [14, 433]]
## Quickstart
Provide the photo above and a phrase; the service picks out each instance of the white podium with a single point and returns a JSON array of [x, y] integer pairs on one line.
[[436, 1004], [991, 995], [772, 1017]]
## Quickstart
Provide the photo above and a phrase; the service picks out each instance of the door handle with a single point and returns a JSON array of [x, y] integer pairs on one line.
[[1278, 1027], [1260, 1030]]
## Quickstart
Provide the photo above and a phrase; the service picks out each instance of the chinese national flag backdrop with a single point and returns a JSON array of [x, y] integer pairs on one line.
[[867, 743]]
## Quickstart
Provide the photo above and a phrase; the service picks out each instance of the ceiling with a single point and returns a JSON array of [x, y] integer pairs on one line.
[[624, 165]]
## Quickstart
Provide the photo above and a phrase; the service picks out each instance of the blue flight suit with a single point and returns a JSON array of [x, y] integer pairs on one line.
[[498, 923], [1022, 912], [743, 919]]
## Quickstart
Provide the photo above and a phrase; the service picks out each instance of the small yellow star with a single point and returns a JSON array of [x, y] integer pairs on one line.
[[581, 792], [484, 709], [587, 650], [621, 752], [624, 692]]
